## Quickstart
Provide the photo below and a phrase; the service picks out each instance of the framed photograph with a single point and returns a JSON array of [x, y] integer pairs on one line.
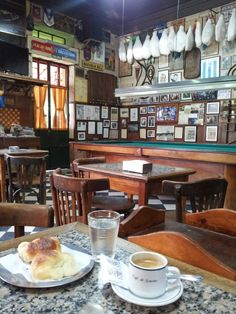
[[164, 98], [186, 96], [179, 132], [105, 132], [143, 110], [175, 97], [99, 128], [213, 107], [123, 123], [165, 132], [81, 126], [156, 99], [123, 133], [143, 133], [143, 122], [114, 134], [133, 114], [104, 114], [125, 69], [151, 109], [210, 67], [114, 113], [175, 77], [114, 125], [133, 127], [81, 136], [106, 123], [91, 127], [124, 112], [151, 121], [211, 133], [163, 76], [167, 114], [190, 134], [212, 119], [151, 133]]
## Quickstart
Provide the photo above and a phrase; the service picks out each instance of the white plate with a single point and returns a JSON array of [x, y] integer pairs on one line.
[[14, 271], [167, 298]]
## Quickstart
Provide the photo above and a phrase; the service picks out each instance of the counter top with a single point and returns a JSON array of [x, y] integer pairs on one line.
[[85, 294]]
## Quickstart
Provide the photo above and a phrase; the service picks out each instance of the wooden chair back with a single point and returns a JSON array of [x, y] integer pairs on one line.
[[203, 195], [83, 161], [21, 215], [26, 174], [72, 197]]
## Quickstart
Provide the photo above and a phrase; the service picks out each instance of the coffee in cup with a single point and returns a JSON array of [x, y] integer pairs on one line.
[[149, 274]]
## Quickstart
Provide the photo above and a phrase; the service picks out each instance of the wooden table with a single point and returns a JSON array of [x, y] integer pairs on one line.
[[21, 152], [85, 293], [132, 183]]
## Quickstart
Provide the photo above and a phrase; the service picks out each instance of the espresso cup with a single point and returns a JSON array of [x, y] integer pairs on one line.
[[149, 275]]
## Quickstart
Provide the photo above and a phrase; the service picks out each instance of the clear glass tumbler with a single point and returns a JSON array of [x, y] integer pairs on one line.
[[103, 230]]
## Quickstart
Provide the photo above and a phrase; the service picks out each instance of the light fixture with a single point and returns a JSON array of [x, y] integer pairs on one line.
[[227, 82]]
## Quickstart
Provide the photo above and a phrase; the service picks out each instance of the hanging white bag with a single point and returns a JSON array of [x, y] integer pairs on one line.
[[154, 45], [146, 49], [231, 32], [208, 33], [220, 29], [171, 39], [137, 49], [189, 39], [198, 34], [163, 45], [180, 39], [122, 51], [130, 52]]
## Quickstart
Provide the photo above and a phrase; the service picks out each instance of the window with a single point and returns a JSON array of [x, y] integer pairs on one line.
[[50, 105]]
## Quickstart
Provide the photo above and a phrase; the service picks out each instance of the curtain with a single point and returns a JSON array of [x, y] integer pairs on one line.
[[39, 98], [59, 118]]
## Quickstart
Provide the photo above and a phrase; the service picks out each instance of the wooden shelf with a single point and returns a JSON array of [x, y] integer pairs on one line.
[[21, 78]]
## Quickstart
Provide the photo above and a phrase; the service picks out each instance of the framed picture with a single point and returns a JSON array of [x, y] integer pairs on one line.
[[190, 134], [143, 122], [163, 76], [165, 133], [114, 125], [133, 114], [123, 133], [99, 128], [133, 127], [143, 110], [151, 121], [151, 133], [164, 98], [124, 112], [125, 69], [114, 113], [105, 132], [81, 126], [104, 114], [174, 97], [212, 119], [167, 114], [211, 133], [210, 67], [106, 123], [151, 109], [213, 107], [91, 127], [81, 136], [179, 132], [186, 96], [123, 123], [175, 77]]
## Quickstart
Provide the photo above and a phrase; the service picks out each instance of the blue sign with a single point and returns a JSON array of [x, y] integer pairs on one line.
[[64, 53]]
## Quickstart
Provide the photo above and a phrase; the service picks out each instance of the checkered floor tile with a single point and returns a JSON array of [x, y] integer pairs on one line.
[[161, 202]]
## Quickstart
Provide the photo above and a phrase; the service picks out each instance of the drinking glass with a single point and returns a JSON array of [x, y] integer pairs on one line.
[[103, 230]]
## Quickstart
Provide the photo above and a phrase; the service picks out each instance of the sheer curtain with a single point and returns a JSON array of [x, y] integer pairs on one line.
[[40, 96], [59, 118]]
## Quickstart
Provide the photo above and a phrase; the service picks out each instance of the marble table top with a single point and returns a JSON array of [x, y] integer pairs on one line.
[[84, 295]]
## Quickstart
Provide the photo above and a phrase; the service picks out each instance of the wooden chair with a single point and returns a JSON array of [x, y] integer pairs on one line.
[[21, 215], [26, 175], [72, 197], [121, 205], [203, 195]]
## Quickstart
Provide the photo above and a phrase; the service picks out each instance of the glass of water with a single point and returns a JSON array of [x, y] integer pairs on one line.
[[103, 230]]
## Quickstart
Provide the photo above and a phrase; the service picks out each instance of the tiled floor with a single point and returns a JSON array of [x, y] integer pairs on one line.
[[162, 202]]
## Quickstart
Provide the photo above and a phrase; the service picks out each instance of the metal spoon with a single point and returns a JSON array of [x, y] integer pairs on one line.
[[190, 277]]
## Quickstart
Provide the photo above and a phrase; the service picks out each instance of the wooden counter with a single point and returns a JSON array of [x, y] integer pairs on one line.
[[21, 141]]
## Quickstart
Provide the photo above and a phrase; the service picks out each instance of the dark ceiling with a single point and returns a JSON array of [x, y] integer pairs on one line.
[[138, 14]]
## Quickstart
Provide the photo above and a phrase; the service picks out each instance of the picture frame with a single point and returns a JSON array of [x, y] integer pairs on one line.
[[151, 109], [151, 133], [133, 127], [163, 76], [167, 114], [178, 132], [151, 121], [190, 134], [114, 125], [133, 114], [123, 123], [212, 119], [175, 77], [81, 136], [165, 132], [213, 107], [124, 112], [143, 110], [105, 132], [186, 96], [123, 133], [81, 126], [175, 97], [104, 113], [210, 67], [125, 69], [114, 113], [106, 123], [211, 133], [143, 122], [164, 98]]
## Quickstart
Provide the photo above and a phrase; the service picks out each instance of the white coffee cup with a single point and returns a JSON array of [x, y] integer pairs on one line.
[[149, 275]]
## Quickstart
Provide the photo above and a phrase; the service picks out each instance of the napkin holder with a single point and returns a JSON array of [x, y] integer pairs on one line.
[[139, 166]]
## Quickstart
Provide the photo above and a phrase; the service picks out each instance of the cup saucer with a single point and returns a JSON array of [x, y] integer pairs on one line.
[[167, 298]]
